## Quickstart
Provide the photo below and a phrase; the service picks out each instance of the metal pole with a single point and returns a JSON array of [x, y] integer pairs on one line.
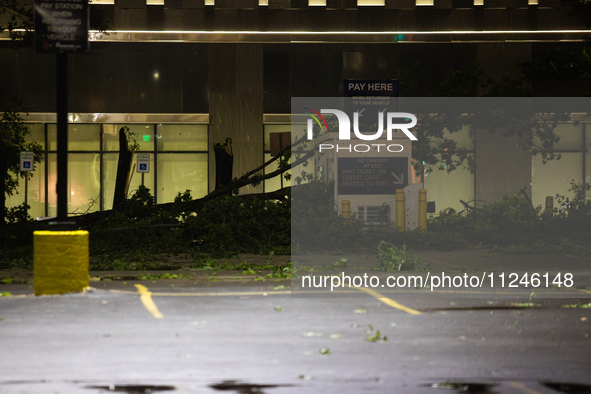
[[26, 190], [423, 210], [399, 209], [62, 135], [346, 210], [142, 179]]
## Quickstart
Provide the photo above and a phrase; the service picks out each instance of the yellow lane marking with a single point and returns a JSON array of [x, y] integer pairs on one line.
[[523, 387], [441, 262], [584, 291], [578, 257], [238, 293], [146, 297], [388, 301], [245, 293]]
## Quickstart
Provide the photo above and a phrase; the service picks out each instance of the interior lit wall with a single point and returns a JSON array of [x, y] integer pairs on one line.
[[555, 176]]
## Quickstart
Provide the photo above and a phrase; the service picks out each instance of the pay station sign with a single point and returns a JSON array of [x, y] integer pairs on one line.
[[143, 163], [61, 26], [372, 175], [27, 161]]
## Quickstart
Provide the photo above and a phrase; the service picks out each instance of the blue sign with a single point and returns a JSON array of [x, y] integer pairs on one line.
[[26, 161], [143, 162]]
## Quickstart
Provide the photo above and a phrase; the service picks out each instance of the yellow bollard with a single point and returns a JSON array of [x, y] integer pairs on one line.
[[60, 261], [423, 210], [549, 211], [346, 209], [400, 211]]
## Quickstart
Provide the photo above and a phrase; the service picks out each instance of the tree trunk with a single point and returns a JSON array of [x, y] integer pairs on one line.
[[224, 162], [123, 165], [3, 176]]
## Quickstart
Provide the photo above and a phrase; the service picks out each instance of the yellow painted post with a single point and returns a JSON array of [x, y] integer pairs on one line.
[[423, 210], [346, 209], [60, 261], [400, 216], [549, 211]]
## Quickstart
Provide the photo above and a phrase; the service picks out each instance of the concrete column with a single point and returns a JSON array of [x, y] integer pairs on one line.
[[503, 167], [236, 106]]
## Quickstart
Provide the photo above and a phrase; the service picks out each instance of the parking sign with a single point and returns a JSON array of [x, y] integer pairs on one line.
[[27, 160], [143, 163]]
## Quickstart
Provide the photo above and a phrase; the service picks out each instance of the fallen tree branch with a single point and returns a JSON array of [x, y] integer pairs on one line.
[[175, 225], [188, 206], [237, 183], [467, 206], [531, 205]]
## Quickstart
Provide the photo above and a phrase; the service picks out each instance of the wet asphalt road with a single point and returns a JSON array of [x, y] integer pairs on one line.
[[236, 338]]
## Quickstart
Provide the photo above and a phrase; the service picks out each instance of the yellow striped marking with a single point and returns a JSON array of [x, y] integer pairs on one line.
[[146, 297], [388, 301], [441, 262], [523, 387]]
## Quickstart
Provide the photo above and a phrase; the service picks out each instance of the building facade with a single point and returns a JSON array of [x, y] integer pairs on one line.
[[186, 74]]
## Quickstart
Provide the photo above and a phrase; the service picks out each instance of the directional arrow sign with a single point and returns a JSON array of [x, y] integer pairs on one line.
[[399, 180]]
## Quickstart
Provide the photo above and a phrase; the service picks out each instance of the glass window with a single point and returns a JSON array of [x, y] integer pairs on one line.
[[52, 136], [143, 134], [80, 136], [110, 177], [571, 137], [555, 176], [83, 183], [461, 137], [181, 137], [37, 134], [51, 184], [36, 192], [178, 172], [273, 128], [276, 182], [448, 189]]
